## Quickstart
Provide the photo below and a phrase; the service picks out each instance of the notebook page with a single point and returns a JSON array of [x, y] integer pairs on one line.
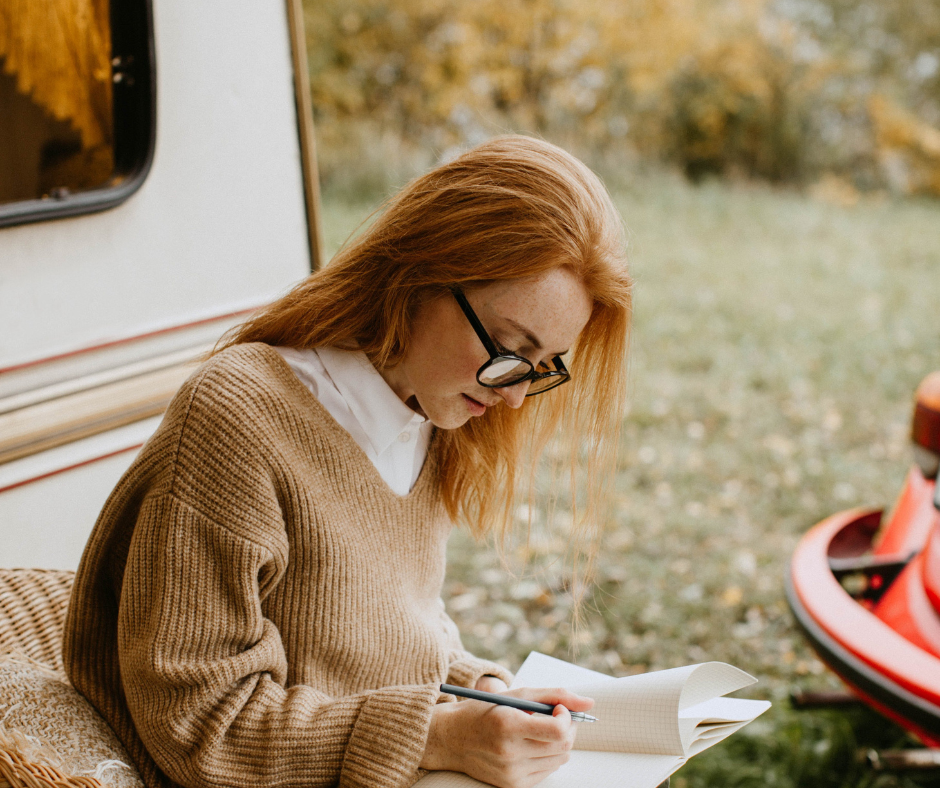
[[708, 723], [725, 710], [711, 680], [595, 769], [613, 770], [712, 737], [704, 718], [541, 670], [633, 713], [637, 714]]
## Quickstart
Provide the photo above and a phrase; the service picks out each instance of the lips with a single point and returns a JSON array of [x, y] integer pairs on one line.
[[475, 408]]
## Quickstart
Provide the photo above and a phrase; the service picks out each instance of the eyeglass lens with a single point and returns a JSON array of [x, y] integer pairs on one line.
[[503, 372], [544, 384]]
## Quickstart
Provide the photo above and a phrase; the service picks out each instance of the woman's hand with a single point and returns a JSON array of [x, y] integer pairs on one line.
[[502, 746], [490, 684]]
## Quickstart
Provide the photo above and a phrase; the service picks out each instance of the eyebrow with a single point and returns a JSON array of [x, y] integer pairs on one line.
[[530, 337]]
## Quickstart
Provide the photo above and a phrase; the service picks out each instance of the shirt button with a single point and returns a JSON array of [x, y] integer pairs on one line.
[[404, 437]]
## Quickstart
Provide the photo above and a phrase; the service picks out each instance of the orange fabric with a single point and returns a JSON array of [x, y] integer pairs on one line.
[[60, 54]]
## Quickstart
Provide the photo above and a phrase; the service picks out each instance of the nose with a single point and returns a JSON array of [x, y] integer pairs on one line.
[[514, 396]]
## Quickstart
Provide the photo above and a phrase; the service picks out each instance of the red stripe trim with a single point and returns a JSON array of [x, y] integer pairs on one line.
[[125, 341], [70, 467]]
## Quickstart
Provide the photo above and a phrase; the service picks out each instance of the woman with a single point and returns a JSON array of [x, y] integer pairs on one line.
[[259, 603]]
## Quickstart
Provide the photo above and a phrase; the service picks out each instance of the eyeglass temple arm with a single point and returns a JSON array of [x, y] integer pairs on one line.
[[475, 322]]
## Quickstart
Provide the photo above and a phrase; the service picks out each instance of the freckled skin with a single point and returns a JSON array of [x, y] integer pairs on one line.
[[439, 368]]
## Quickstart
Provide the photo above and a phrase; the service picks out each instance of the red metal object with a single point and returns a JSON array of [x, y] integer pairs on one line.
[[907, 610], [925, 430], [911, 519], [867, 592]]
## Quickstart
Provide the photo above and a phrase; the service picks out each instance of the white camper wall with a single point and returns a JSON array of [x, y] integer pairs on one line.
[[218, 226]]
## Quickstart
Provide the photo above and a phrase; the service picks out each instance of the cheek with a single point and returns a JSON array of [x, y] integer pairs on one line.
[[454, 373], [458, 371], [472, 357], [438, 367], [445, 353]]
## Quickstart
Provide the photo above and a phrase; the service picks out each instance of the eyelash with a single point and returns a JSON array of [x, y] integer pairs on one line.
[[503, 351]]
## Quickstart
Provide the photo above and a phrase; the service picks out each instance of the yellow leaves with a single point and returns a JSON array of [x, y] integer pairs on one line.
[[909, 149], [718, 86]]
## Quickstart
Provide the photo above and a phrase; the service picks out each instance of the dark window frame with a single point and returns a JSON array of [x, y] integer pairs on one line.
[[134, 108]]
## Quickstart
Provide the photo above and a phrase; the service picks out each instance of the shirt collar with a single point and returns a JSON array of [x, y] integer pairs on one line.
[[378, 409]]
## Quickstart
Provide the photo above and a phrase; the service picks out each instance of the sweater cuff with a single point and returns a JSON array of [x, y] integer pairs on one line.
[[466, 670], [389, 737]]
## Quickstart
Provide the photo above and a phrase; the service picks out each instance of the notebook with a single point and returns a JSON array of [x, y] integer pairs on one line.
[[648, 725]]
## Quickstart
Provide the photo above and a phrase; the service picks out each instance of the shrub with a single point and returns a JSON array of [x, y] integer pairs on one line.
[[775, 90]]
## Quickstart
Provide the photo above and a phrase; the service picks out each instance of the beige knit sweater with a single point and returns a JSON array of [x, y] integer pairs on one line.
[[255, 606]]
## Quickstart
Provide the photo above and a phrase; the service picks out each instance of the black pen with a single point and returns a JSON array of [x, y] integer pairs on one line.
[[516, 703]]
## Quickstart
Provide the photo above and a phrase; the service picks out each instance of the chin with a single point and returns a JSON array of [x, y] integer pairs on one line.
[[449, 422], [448, 418]]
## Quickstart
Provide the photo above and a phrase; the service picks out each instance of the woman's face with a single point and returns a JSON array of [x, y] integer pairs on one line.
[[537, 318]]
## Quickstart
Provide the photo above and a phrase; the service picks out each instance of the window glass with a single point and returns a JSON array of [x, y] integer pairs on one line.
[[63, 91]]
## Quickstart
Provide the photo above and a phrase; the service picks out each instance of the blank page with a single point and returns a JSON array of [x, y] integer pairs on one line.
[[594, 769], [711, 680], [612, 770], [541, 670]]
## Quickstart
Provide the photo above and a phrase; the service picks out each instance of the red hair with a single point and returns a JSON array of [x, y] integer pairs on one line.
[[511, 208]]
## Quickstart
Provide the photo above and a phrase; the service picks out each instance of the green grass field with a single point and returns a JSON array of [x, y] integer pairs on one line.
[[777, 343]]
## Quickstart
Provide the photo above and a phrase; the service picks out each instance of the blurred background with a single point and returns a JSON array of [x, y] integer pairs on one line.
[[777, 165], [840, 94]]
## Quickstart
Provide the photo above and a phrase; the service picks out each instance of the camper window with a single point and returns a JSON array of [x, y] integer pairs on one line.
[[76, 106]]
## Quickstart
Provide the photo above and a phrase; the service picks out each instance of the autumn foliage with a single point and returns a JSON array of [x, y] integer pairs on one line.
[[788, 91]]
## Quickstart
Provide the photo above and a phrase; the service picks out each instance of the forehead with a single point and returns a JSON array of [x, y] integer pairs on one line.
[[554, 306]]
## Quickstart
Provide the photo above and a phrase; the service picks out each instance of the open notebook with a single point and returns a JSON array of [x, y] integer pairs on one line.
[[648, 725]]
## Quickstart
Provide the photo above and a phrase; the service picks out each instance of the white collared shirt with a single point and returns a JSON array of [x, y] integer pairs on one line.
[[393, 436]]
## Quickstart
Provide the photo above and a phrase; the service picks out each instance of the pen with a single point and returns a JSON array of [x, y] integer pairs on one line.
[[516, 703]]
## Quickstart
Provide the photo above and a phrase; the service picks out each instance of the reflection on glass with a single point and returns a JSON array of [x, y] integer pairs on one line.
[[56, 129]]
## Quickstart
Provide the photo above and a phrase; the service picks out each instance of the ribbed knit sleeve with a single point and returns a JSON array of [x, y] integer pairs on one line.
[[204, 673], [463, 668]]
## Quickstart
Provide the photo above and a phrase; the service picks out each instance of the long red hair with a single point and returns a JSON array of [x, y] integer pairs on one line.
[[511, 208]]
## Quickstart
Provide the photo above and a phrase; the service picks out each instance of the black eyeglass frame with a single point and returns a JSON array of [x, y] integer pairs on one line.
[[560, 371]]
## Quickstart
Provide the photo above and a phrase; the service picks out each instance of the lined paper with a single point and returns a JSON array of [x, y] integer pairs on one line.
[[648, 725]]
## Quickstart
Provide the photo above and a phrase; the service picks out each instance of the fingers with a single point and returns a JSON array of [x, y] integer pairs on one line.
[[557, 731], [500, 745], [490, 684], [556, 696], [548, 733], [535, 735]]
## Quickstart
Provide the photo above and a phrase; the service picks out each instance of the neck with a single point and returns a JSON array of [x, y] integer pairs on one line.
[[398, 382]]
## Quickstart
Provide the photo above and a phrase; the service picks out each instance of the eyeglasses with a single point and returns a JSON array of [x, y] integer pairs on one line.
[[507, 369]]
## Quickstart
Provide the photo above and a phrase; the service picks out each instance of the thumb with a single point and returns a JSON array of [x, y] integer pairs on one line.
[[561, 711], [558, 696]]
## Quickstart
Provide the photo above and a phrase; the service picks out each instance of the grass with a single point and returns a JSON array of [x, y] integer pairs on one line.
[[777, 343]]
